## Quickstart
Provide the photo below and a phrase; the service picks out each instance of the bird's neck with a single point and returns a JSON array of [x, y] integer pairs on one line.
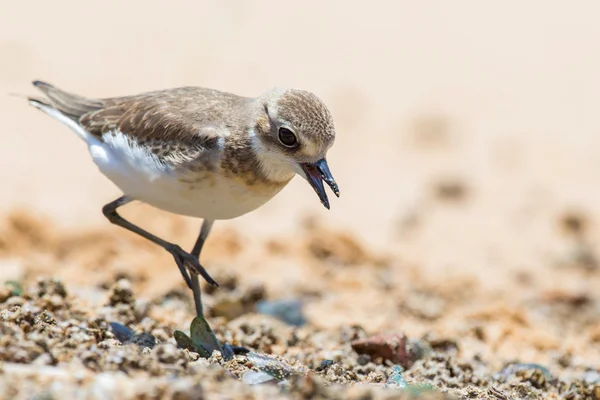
[[273, 166]]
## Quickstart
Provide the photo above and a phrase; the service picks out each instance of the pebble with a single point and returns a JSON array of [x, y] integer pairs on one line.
[[390, 347], [288, 311]]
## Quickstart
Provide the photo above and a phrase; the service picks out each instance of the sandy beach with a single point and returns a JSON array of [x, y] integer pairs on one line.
[[467, 148]]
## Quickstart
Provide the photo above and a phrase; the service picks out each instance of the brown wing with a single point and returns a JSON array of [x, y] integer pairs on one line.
[[183, 118]]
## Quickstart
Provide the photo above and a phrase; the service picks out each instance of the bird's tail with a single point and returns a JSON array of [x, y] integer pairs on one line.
[[72, 105], [65, 107]]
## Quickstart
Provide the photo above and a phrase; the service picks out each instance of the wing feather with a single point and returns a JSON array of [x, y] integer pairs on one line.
[[179, 123]]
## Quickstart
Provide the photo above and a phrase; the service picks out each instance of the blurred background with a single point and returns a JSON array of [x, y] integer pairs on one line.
[[467, 154]]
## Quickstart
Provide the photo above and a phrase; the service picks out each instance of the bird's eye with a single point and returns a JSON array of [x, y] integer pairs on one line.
[[287, 137]]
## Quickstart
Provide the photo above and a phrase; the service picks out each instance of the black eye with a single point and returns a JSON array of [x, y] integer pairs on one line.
[[287, 137]]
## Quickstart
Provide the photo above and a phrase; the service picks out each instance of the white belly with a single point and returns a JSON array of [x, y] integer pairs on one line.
[[221, 198], [140, 176]]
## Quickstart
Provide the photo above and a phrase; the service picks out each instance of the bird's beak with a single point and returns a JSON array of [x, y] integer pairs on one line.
[[316, 173]]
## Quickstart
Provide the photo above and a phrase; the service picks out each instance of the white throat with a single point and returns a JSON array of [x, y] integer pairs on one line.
[[276, 166]]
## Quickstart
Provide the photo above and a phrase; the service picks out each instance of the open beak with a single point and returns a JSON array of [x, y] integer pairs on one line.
[[316, 173]]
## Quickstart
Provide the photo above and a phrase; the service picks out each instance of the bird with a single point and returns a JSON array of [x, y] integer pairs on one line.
[[199, 152]]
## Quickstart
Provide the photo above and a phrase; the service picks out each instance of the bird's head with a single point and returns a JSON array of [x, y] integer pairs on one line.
[[294, 132]]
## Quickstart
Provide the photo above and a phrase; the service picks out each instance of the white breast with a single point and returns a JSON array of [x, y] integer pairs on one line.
[[142, 176]]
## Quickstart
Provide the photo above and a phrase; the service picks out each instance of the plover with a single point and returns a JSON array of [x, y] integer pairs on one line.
[[199, 152]]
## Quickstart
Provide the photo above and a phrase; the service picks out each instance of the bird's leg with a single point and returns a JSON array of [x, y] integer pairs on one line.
[[195, 284], [184, 260]]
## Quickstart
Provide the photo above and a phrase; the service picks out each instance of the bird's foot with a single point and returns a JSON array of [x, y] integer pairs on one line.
[[185, 260]]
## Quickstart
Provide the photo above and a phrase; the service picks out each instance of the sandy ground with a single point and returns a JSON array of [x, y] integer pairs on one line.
[[467, 157]]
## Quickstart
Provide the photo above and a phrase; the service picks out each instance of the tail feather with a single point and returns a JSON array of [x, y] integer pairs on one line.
[[37, 103], [58, 112], [72, 105]]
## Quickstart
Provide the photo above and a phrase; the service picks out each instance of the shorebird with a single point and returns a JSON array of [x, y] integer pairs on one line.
[[199, 152]]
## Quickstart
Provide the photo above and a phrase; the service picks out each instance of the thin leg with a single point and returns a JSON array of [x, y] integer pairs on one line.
[[183, 259], [195, 283]]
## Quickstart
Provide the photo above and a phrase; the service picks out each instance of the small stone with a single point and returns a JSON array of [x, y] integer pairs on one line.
[[121, 332], [46, 317], [386, 347], [395, 379], [536, 374], [51, 287], [167, 353], [143, 340], [278, 369], [363, 359], [324, 366], [121, 293], [288, 311]]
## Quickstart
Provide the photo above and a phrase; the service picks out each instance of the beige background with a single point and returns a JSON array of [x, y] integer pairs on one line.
[[501, 96]]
